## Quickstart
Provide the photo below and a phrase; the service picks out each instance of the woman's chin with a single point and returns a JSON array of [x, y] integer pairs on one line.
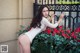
[[45, 16]]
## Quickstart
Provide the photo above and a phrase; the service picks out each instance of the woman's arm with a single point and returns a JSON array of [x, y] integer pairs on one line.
[[47, 23], [60, 19]]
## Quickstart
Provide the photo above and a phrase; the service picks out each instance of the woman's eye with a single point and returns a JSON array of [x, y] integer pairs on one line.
[[45, 11]]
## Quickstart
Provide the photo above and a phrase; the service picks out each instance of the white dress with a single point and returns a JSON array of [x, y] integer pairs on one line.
[[34, 31]]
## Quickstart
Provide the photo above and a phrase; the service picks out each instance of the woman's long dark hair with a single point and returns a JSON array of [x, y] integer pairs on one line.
[[36, 20]]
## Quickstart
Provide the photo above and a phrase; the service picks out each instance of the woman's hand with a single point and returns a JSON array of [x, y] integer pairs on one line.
[[52, 15], [60, 18]]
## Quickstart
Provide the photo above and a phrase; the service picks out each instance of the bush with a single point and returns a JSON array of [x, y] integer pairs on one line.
[[54, 41]]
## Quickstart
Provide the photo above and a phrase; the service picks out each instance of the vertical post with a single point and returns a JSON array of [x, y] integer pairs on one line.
[[69, 23], [54, 9], [69, 20], [70, 1], [73, 24], [42, 2], [55, 1], [45, 1], [51, 1], [36, 1], [65, 22], [35, 8], [48, 1], [77, 14], [39, 1]]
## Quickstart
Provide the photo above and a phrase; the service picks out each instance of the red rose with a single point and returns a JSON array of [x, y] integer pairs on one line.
[[62, 31], [68, 31], [55, 30], [77, 30], [53, 34], [73, 35], [78, 40], [65, 35], [48, 31], [61, 27]]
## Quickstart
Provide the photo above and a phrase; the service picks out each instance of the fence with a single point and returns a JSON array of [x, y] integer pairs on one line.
[[72, 10]]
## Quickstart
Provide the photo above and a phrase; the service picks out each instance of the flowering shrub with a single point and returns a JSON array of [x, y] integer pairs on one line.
[[56, 40], [68, 33]]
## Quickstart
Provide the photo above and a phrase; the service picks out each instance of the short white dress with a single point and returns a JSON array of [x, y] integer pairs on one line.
[[34, 31]]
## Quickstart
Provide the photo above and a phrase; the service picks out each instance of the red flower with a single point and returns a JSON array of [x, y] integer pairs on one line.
[[73, 35], [77, 29], [68, 31], [78, 40], [48, 31], [65, 35], [61, 27], [62, 31], [56, 31], [53, 34]]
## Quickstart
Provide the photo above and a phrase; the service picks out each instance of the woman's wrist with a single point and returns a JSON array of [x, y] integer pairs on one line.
[[61, 17], [59, 21]]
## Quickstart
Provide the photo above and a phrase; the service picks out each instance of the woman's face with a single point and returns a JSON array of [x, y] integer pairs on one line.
[[45, 12]]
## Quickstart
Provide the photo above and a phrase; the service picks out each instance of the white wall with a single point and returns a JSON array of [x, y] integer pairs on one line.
[[14, 13]]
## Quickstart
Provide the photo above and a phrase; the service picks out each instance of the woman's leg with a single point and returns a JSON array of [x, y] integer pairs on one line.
[[25, 42], [20, 46]]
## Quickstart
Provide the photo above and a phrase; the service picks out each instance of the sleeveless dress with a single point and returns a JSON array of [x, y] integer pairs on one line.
[[34, 31]]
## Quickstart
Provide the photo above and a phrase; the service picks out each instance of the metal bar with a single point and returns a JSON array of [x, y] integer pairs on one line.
[[54, 1], [48, 1], [36, 1], [77, 14], [69, 23], [73, 24], [45, 1], [51, 1], [65, 23], [69, 20], [42, 2]]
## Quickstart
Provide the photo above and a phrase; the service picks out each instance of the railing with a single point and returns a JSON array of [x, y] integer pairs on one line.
[[72, 11], [57, 1]]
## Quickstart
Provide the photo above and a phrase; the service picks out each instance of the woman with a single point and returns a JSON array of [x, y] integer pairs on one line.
[[38, 24]]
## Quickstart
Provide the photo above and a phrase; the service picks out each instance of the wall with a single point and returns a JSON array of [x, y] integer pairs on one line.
[[13, 13]]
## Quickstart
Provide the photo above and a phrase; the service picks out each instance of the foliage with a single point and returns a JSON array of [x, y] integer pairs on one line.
[[57, 40]]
